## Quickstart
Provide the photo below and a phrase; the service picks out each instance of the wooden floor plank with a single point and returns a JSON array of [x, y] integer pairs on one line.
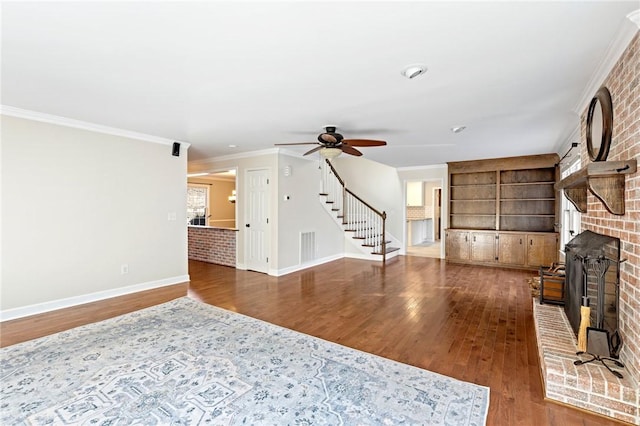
[[469, 322]]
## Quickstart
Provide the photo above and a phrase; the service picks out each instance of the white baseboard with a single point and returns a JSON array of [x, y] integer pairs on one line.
[[40, 308], [284, 271]]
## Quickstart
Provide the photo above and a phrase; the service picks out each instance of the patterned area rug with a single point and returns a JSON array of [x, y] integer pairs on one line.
[[186, 362]]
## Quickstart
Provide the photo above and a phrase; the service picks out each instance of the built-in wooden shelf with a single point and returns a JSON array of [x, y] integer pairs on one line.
[[604, 179]]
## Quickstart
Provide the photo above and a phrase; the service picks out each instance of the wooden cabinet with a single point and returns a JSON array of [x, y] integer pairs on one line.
[[530, 250], [483, 247], [542, 249], [511, 249], [513, 197], [457, 246], [415, 194], [474, 246]]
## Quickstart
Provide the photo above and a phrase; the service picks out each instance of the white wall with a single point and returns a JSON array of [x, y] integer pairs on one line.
[[378, 185], [301, 213], [77, 205], [241, 163]]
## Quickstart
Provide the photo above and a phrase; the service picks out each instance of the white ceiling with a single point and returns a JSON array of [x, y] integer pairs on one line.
[[216, 74]]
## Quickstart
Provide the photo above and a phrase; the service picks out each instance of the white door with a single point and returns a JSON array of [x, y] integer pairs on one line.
[[257, 220]]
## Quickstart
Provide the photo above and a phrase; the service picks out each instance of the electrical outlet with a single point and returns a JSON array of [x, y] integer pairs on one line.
[[124, 269]]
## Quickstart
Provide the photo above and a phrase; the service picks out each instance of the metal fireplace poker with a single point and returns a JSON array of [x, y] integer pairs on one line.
[[599, 344], [592, 296]]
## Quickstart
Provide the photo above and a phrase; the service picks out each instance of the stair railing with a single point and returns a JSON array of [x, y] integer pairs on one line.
[[367, 223]]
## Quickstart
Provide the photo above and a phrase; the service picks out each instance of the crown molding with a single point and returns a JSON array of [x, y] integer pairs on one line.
[[83, 125], [635, 17], [430, 167], [250, 154], [623, 37], [240, 155], [289, 153]]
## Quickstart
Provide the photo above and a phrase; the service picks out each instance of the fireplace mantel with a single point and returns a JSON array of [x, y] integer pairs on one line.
[[604, 179]]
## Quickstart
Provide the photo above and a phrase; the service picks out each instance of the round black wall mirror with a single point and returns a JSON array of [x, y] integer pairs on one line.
[[599, 125]]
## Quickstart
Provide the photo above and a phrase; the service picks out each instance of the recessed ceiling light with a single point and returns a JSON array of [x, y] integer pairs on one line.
[[233, 146], [412, 71], [458, 129]]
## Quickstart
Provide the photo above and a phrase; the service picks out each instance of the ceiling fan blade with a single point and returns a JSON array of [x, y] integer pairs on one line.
[[364, 142], [298, 143], [328, 137], [350, 150], [317, 148]]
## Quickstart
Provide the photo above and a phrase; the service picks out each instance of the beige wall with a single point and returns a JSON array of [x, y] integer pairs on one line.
[[76, 206], [223, 213]]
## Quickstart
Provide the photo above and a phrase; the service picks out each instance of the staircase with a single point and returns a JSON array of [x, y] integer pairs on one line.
[[364, 224]]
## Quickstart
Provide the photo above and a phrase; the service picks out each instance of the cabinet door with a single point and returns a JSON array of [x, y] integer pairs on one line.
[[483, 247], [511, 249], [415, 194], [542, 249], [458, 247]]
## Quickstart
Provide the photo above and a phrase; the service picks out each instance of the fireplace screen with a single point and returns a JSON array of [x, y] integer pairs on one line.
[[592, 263]]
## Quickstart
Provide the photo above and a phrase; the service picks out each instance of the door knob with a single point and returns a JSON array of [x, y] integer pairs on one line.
[[248, 225]]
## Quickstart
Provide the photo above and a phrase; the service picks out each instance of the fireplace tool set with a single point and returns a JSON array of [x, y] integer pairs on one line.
[[596, 341]]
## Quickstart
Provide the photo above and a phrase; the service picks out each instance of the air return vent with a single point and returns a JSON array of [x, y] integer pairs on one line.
[[307, 246]]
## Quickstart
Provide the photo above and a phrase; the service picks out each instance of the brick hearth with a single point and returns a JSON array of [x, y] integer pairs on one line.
[[589, 386]]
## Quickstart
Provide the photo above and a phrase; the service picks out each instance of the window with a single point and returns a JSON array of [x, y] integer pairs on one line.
[[198, 204], [570, 216]]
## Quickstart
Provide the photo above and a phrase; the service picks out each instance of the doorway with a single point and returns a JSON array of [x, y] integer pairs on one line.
[[211, 199], [424, 218]]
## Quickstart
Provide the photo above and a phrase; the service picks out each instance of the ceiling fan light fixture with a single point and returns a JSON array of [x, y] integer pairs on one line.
[[412, 71], [330, 152], [458, 129]]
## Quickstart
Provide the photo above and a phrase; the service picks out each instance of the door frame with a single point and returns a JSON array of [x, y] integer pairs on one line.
[[245, 218], [405, 233]]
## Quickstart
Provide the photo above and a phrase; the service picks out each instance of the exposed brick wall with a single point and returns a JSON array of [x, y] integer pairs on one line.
[[213, 245], [624, 84]]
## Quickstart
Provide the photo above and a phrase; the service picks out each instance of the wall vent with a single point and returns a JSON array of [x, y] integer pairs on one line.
[[307, 246]]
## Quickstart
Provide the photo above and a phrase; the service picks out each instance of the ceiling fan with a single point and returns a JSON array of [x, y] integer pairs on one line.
[[331, 143]]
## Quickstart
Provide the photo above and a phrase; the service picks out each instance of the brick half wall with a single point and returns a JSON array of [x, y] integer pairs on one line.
[[213, 245]]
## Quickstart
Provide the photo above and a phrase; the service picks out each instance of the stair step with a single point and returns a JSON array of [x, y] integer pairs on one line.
[[389, 250], [357, 230], [322, 194], [358, 237], [374, 245]]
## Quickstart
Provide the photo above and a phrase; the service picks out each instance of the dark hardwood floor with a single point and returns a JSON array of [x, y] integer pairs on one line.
[[471, 323]]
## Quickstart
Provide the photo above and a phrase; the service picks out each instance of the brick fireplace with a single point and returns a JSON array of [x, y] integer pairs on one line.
[[590, 386], [624, 85]]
